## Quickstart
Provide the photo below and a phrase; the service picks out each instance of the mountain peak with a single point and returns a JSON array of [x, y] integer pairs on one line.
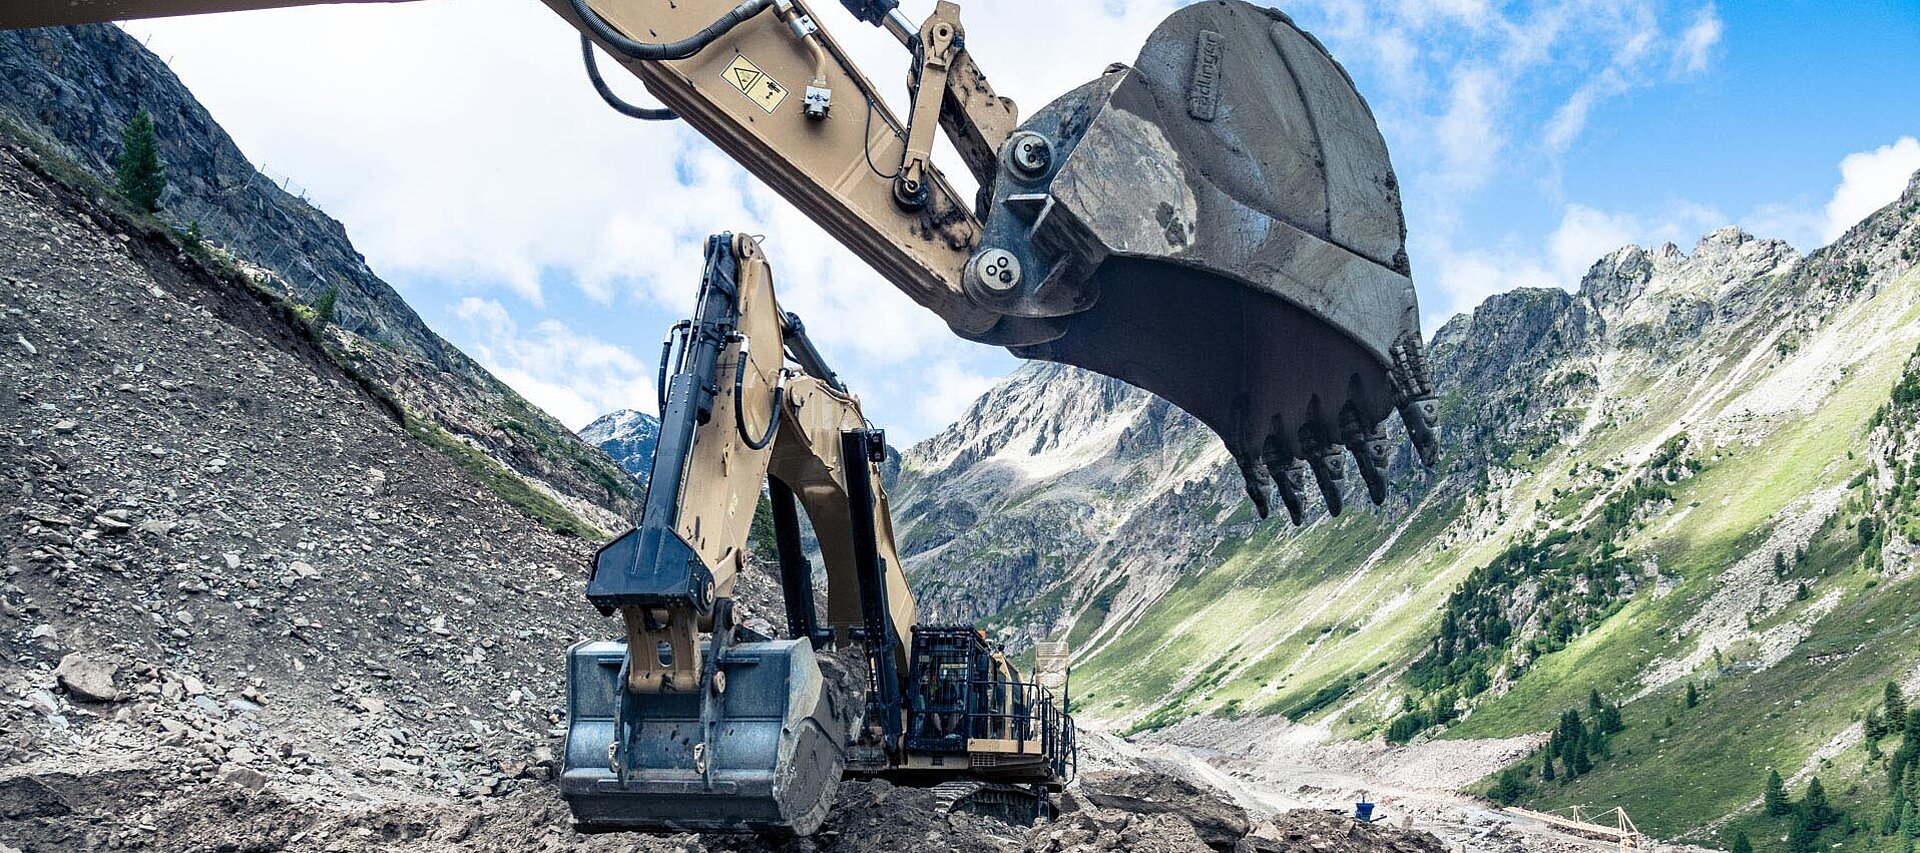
[[1731, 235], [1620, 277], [1913, 188], [628, 436]]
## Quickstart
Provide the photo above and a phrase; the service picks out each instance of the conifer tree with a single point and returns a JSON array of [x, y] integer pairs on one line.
[[138, 175], [1815, 811], [1740, 844], [1775, 796], [1546, 765], [1693, 695], [1896, 708]]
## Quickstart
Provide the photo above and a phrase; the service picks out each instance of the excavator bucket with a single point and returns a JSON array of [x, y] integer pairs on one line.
[[1219, 224], [640, 762]]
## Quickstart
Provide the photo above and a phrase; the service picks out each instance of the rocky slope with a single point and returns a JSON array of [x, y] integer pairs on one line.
[[1623, 465], [74, 88]]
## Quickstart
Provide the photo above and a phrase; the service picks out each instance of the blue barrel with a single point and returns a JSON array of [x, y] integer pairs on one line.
[[1363, 812]]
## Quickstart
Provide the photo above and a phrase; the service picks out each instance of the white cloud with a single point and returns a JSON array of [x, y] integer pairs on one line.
[[1571, 118], [1870, 180], [575, 377], [1584, 236], [1469, 138], [949, 390], [1696, 45]]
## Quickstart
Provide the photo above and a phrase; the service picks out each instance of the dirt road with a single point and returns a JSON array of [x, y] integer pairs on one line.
[[1271, 765]]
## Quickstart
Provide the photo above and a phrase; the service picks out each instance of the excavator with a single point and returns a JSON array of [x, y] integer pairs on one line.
[[1217, 223]]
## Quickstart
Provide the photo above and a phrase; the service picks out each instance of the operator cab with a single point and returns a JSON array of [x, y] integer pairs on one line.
[[967, 707]]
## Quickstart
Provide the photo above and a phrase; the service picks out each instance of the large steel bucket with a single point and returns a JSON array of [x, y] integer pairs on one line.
[[1219, 224], [773, 766]]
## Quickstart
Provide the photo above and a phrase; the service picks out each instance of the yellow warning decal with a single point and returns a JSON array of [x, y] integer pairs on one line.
[[754, 83]]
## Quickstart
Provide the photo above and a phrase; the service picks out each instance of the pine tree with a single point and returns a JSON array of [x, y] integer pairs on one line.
[[1779, 564], [1801, 592], [1506, 790], [1740, 844], [323, 310], [1896, 708], [1776, 795], [138, 175], [1693, 695], [1546, 766], [1815, 811]]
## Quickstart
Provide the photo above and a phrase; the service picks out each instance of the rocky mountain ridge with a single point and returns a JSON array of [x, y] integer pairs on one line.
[[627, 437]]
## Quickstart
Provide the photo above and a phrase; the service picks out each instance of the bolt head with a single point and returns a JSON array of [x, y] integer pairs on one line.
[[997, 270], [1030, 154]]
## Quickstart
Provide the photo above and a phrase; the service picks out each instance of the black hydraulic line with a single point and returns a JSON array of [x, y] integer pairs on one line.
[[796, 574], [740, 413], [606, 93], [681, 49]]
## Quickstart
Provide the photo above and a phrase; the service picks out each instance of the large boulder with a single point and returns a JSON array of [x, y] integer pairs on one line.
[[88, 677]]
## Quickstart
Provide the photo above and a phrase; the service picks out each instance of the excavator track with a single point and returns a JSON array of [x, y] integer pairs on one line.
[[1010, 803]]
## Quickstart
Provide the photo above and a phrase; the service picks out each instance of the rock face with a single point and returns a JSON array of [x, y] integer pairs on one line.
[[628, 438], [1087, 483], [74, 88]]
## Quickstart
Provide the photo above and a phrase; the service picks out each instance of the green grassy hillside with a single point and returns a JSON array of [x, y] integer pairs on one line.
[[1719, 506]]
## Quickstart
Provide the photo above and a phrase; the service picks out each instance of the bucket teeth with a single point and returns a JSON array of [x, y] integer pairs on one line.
[[1413, 396], [1290, 478], [1329, 467], [1370, 453], [1419, 414], [1259, 481]]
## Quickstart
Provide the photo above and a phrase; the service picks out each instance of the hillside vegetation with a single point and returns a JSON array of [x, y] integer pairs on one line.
[[1692, 476]]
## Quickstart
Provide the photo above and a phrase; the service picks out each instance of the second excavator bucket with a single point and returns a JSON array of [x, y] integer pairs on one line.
[[1219, 224], [765, 755]]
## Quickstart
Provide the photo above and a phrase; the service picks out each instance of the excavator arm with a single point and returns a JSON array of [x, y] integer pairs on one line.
[[1218, 223], [668, 731]]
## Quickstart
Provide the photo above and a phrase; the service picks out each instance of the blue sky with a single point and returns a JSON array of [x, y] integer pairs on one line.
[[556, 241]]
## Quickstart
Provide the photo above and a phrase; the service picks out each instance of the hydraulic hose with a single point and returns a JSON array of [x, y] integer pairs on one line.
[[739, 410], [667, 50], [613, 100]]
